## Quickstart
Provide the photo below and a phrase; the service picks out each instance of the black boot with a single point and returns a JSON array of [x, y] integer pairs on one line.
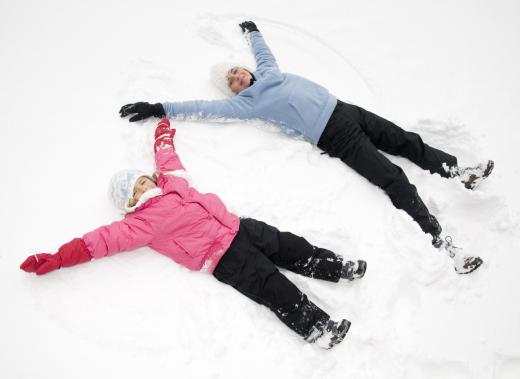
[[471, 177], [353, 270], [328, 334], [463, 264]]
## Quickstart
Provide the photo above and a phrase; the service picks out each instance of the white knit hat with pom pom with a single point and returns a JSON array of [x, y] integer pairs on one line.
[[219, 79]]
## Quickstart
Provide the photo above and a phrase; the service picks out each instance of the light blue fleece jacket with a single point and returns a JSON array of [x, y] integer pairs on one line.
[[283, 99]]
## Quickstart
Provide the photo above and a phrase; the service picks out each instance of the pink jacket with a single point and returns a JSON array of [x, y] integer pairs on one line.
[[193, 229]]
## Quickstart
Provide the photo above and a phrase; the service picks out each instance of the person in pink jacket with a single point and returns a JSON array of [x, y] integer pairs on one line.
[[197, 231]]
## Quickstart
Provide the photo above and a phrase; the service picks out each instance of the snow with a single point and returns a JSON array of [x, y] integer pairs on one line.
[[448, 70]]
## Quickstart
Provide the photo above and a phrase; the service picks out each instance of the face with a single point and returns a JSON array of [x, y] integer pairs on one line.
[[142, 185], [238, 79]]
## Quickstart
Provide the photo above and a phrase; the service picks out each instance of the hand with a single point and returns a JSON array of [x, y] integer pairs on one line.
[[248, 27], [41, 263], [163, 135], [69, 254], [143, 110], [163, 129]]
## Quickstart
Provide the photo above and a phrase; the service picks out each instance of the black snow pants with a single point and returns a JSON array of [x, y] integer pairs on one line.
[[249, 265], [354, 135]]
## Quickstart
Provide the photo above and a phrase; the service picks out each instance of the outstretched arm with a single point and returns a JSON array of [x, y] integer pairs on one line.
[[265, 60], [69, 254], [235, 108], [124, 235], [167, 161], [166, 158]]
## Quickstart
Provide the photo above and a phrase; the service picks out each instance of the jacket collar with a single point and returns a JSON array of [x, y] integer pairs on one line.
[[150, 194]]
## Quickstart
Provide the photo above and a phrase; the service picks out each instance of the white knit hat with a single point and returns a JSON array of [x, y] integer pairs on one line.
[[121, 188], [219, 79]]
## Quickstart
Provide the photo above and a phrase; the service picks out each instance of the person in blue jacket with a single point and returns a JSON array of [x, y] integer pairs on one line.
[[342, 130]]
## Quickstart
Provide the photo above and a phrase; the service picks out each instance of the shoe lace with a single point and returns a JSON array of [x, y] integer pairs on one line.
[[456, 171], [450, 247]]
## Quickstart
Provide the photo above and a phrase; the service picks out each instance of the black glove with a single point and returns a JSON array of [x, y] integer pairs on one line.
[[248, 27], [143, 110]]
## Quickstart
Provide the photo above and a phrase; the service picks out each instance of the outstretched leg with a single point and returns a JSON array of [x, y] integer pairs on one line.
[[292, 252], [247, 268], [390, 138], [344, 138], [354, 135], [249, 271]]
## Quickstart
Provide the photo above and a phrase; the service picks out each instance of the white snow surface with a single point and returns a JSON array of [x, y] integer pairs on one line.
[[445, 69]]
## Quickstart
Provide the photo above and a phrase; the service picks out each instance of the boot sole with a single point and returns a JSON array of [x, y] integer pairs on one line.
[[345, 325], [478, 263], [489, 168], [474, 182], [362, 269], [360, 272]]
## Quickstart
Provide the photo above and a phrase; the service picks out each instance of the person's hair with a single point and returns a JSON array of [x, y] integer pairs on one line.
[[132, 202]]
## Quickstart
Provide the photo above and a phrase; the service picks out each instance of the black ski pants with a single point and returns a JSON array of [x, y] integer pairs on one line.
[[355, 135], [249, 265]]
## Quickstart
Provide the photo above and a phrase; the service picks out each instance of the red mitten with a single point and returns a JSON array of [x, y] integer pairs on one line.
[[163, 127], [41, 263], [163, 135], [70, 254]]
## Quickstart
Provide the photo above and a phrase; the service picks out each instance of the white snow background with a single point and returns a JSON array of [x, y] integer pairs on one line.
[[446, 69]]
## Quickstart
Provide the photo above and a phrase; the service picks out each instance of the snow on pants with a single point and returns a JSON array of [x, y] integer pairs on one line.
[[354, 135], [249, 265]]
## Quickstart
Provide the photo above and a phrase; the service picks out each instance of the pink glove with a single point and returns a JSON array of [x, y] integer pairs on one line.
[[70, 254], [163, 135]]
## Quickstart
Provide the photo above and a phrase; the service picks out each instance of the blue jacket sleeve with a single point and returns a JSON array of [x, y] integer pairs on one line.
[[265, 60], [237, 107]]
